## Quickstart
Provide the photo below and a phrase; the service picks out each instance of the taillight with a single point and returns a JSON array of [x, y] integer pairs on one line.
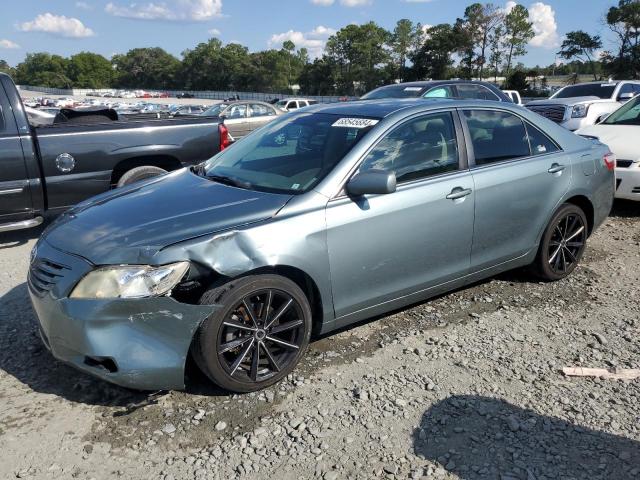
[[223, 133], [609, 161]]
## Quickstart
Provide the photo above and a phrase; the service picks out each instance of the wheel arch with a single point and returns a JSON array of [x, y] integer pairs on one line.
[[166, 162], [586, 206]]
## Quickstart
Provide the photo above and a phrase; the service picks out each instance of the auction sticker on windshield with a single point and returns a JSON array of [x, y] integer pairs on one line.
[[355, 122]]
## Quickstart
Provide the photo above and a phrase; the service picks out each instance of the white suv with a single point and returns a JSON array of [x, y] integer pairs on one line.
[[287, 104], [577, 106]]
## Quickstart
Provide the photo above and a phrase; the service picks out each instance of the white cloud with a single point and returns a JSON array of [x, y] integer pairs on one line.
[[84, 6], [509, 6], [355, 3], [314, 41], [176, 10], [417, 1], [544, 26], [214, 31], [8, 44], [323, 3], [57, 25]]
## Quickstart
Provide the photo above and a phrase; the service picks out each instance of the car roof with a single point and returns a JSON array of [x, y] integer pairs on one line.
[[385, 107], [431, 83]]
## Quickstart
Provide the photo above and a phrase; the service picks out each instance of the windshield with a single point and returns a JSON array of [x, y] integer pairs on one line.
[[396, 91], [214, 111], [629, 114], [600, 90], [289, 155]]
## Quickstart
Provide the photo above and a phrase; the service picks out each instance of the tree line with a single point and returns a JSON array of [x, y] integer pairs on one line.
[[485, 42]]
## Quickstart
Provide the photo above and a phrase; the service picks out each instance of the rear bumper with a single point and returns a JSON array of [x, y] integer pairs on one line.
[[628, 182], [135, 343]]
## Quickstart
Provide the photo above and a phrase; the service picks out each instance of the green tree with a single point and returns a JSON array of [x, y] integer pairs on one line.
[[288, 47], [624, 22], [517, 80], [468, 33], [434, 58], [146, 68], [518, 32], [357, 51], [317, 78], [490, 18], [90, 70], [403, 40], [579, 44], [6, 68], [496, 56], [43, 69]]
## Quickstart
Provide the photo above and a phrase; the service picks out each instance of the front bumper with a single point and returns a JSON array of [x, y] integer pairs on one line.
[[135, 343], [628, 182]]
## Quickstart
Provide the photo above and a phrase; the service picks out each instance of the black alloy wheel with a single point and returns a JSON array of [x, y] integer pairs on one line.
[[258, 335], [563, 243]]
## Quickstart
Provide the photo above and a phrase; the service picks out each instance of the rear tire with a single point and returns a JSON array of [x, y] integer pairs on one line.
[[140, 173], [244, 350], [563, 243]]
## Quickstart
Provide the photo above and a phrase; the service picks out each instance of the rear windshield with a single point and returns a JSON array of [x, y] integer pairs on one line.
[[600, 90], [291, 154], [629, 114], [396, 91]]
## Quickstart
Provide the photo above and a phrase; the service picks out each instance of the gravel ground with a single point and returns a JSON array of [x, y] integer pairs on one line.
[[466, 386]]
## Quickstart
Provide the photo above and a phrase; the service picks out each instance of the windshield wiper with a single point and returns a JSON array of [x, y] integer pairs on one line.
[[226, 180]]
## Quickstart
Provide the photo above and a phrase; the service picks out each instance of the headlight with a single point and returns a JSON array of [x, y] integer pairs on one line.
[[580, 111], [130, 281]]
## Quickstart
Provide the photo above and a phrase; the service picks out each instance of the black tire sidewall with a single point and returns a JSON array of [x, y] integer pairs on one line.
[[227, 296], [544, 270]]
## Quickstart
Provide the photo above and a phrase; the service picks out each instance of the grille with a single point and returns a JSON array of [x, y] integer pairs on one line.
[[623, 163], [44, 274], [552, 112]]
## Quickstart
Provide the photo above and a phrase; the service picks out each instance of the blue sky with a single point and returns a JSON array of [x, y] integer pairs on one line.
[[66, 27]]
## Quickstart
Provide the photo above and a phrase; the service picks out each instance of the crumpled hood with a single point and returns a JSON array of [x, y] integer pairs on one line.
[[568, 101], [137, 221]]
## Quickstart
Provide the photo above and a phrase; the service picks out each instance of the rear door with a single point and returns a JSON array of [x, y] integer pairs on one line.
[[475, 92], [15, 196], [520, 176], [259, 115]]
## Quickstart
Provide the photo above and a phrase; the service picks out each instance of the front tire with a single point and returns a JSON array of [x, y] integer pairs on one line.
[[563, 243], [257, 337]]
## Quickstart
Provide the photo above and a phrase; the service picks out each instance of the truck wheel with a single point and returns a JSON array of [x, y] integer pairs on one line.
[[257, 337], [140, 173]]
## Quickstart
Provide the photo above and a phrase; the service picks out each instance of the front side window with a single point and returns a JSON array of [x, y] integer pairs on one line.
[[477, 92], [496, 136], [628, 114], [416, 149], [290, 154]]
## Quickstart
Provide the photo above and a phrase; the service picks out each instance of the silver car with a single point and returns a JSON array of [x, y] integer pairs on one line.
[[322, 218], [243, 117]]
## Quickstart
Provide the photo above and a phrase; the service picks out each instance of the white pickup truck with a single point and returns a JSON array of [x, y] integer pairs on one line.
[[577, 106]]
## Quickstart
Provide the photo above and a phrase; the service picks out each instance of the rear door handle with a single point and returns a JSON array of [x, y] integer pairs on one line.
[[459, 192], [555, 168]]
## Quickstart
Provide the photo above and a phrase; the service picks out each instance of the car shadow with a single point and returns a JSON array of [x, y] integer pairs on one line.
[[625, 209], [19, 237], [24, 357], [477, 437]]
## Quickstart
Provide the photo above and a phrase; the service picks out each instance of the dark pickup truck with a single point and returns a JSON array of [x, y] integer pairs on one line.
[[44, 170]]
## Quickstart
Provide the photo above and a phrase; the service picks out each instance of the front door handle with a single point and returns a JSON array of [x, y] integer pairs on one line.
[[555, 168], [459, 192]]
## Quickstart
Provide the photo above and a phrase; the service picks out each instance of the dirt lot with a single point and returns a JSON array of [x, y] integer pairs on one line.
[[466, 386]]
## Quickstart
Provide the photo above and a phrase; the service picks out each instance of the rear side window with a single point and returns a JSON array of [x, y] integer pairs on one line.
[[477, 92], [496, 136], [540, 143], [418, 148], [440, 92], [292, 105]]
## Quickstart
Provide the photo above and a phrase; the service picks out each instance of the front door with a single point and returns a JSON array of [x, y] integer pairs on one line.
[[384, 249], [520, 176], [15, 196]]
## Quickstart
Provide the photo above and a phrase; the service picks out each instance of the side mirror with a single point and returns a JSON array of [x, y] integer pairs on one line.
[[623, 97], [372, 182]]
